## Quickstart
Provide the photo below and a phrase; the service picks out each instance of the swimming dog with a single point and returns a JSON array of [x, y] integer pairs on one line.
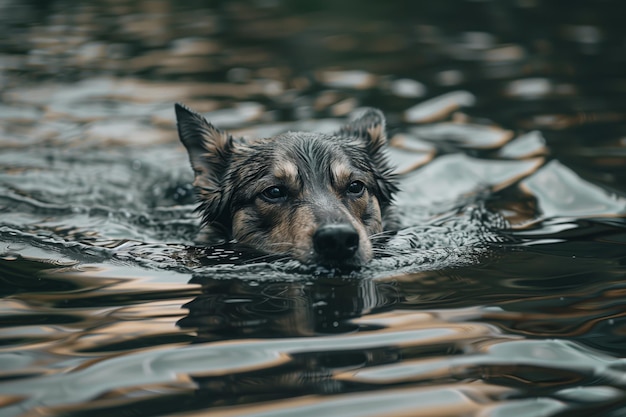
[[319, 198]]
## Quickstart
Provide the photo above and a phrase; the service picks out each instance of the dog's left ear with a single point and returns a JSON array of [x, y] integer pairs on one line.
[[367, 125]]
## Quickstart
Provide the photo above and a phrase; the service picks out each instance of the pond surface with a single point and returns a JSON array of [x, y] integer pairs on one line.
[[504, 294]]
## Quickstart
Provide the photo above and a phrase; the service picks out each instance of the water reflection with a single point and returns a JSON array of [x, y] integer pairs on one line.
[[233, 308]]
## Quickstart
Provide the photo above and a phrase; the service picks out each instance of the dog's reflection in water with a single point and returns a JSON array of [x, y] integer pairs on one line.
[[238, 308]]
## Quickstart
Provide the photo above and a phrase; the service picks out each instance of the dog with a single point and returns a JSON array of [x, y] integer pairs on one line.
[[319, 198]]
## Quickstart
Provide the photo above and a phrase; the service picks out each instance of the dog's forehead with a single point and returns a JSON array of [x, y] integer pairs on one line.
[[294, 157], [308, 146], [285, 168], [313, 151]]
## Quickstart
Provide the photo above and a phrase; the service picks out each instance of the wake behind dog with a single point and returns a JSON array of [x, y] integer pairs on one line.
[[319, 198]]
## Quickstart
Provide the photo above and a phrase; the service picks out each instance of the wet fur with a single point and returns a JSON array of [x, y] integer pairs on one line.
[[316, 169]]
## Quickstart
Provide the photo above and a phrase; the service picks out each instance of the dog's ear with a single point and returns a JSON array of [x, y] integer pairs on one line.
[[367, 126], [209, 153], [208, 147]]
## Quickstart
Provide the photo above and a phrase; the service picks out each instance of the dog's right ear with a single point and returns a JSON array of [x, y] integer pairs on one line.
[[208, 147], [209, 152]]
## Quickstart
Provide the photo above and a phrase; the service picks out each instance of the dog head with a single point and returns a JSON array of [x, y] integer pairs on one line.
[[314, 197]]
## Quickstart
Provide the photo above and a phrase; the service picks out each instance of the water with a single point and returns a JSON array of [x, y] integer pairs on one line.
[[502, 295]]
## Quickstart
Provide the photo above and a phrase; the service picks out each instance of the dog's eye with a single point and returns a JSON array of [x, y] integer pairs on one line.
[[356, 188], [274, 194]]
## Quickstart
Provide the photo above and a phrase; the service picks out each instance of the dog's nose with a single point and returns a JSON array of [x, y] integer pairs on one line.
[[336, 241]]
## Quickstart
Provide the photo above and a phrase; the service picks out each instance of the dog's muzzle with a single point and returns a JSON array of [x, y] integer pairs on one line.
[[336, 242]]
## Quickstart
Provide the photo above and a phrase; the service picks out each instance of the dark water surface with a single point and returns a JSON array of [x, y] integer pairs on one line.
[[503, 295]]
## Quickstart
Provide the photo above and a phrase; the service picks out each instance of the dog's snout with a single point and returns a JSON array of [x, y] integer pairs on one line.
[[336, 241]]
